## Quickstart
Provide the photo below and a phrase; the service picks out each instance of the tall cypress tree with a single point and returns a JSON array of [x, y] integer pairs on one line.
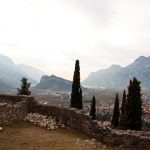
[[93, 108], [76, 95], [134, 106], [129, 106], [116, 113], [24, 90], [123, 111]]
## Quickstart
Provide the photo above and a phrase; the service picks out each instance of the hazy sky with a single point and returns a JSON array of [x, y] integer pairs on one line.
[[52, 34]]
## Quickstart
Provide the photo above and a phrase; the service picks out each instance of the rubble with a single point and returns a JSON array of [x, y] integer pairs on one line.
[[43, 121]]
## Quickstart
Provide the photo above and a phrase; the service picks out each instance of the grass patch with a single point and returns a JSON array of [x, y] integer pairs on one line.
[[25, 136]]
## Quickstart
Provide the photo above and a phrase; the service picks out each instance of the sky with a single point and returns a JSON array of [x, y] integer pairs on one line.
[[52, 34]]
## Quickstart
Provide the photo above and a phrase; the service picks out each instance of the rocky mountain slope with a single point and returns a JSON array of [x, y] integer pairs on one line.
[[31, 72], [54, 83], [10, 73], [118, 77]]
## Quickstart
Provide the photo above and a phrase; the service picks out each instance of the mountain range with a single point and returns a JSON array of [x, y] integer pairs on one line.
[[113, 77], [11, 73], [118, 77]]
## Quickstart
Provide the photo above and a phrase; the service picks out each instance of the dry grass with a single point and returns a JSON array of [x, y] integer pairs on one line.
[[24, 136]]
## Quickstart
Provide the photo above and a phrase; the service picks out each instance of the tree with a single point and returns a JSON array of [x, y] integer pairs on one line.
[[76, 95], [134, 106], [116, 113], [93, 108], [123, 111], [24, 90]]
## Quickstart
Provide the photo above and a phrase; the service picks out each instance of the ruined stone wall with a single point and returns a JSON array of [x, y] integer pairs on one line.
[[12, 99], [12, 113], [75, 118], [13, 108]]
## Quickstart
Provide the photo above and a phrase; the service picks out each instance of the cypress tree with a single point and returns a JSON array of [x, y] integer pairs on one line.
[[129, 106], [134, 106], [24, 90], [123, 111], [76, 95], [93, 108], [80, 97], [116, 113]]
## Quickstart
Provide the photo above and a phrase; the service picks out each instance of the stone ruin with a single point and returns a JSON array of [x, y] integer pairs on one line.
[[44, 121], [18, 108], [13, 108]]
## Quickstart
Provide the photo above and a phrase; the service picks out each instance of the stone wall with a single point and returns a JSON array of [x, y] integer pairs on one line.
[[76, 119], [12, 99], [13, 108]]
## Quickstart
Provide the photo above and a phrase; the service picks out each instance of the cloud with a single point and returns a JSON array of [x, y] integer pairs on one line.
[[98, 11], [51, 35]]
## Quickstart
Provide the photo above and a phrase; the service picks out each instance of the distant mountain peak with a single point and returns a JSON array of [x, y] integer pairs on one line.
[[141, 59], [46, 77], [115, 66], [53, 76]]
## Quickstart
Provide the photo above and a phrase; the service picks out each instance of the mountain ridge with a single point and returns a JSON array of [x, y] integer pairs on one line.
[[118, 77], [11, 73]]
